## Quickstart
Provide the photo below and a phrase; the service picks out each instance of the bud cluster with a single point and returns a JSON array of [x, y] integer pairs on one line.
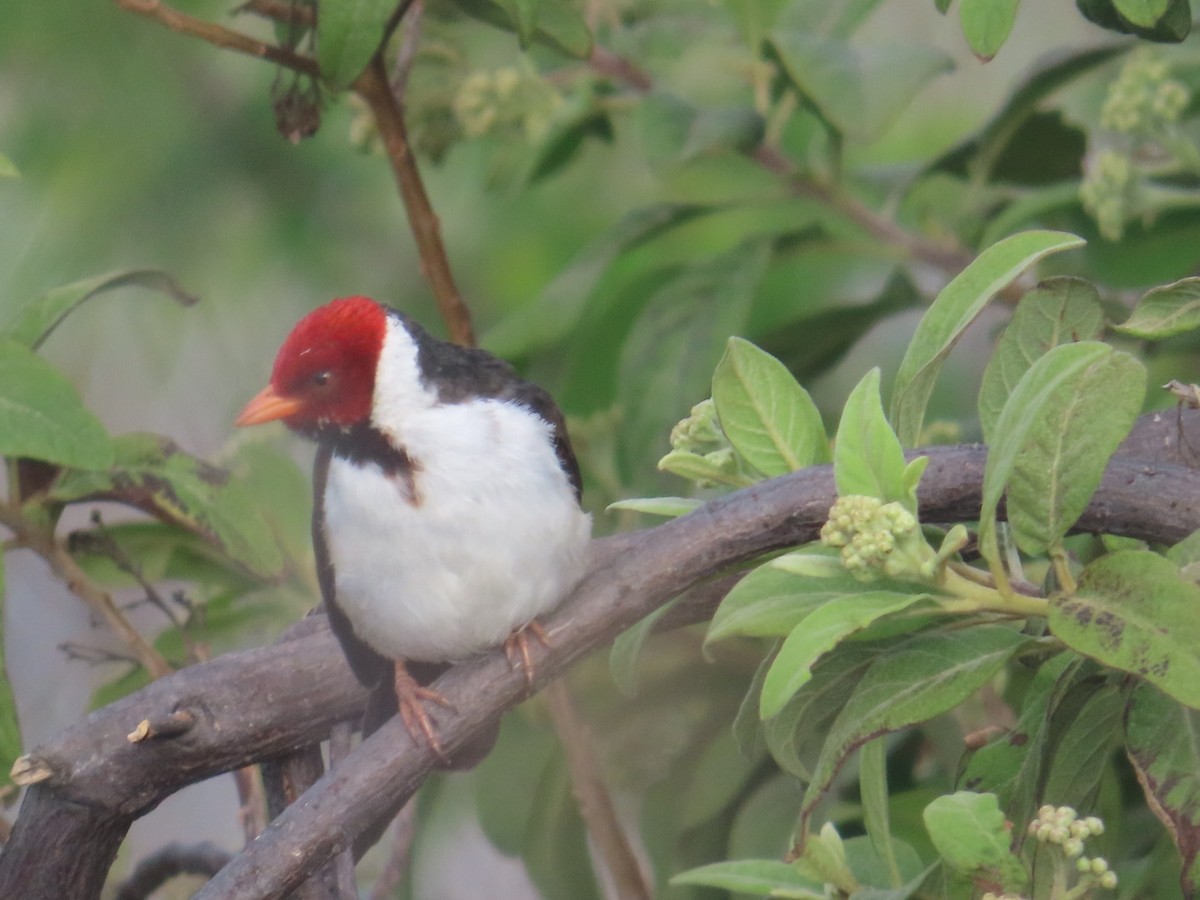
[[877, 538], [1061, 826]]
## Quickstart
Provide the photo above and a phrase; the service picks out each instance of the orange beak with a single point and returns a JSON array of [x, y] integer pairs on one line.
[[267, 407]]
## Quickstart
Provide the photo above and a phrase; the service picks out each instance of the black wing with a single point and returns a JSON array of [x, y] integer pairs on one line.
[[371, 668], [460, 373]]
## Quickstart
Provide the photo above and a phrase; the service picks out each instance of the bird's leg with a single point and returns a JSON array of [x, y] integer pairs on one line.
[[411, 698], [516, 647]]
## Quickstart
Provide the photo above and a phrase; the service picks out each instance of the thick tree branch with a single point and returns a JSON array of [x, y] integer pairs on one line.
[[95, 781]]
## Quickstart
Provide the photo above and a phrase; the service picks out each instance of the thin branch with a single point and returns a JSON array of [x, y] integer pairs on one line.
[[591, 793], [170, 862], [63, 565], [374, 87], [219, 35]]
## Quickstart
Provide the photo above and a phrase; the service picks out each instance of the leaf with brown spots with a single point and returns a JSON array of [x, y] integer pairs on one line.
[[1162, 739], [1133, 611]]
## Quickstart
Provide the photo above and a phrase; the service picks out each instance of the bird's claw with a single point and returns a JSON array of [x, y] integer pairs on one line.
[[411, 698], [516, 647]]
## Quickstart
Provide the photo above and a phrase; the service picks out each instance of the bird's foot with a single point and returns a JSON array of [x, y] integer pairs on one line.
[[516, 647], [411, 698]]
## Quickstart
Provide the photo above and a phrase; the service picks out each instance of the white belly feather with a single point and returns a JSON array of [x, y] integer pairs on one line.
[[495, 538]]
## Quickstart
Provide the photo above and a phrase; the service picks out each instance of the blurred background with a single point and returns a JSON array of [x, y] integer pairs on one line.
[[140, 147]]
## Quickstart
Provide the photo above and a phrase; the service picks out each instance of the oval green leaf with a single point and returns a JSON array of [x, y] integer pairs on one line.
[[1165, 311], [767, 416], [348, 34], [1030, 402], [955, 308], [41, 415], [867, 457], [1067, 448], [819, 632], [970, 832], [912, 682], [1134, 612], [761, 877], [1058, 311], [986, 24]]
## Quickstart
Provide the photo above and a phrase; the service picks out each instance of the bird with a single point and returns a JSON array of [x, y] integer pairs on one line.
[[446, 513]]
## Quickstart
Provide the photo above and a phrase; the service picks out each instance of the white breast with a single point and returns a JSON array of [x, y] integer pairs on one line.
[[493, 538]]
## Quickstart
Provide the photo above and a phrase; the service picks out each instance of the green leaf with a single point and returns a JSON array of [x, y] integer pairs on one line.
[[1171, 27], [7, 168], [767, 416], [153, 474], [867, 457], [555, 847], [671, 507], [1011, 765], [986, 24], [859, 90], [699, 469], [10, 729], [559, 26], [1082, 753], [915, 680], [954, 309], [348, 34], [796, 736], [627, 650], [774, 598], [1030, 402], [675, 343], [1165, 311], [1135, 613], [35, 321], [818, 633], [506, 782], [1162, 740], [560, 304], [754, 18], [971, 834], [41, 415], [1067, 448], [1058, 311], [761, 877], [873, 787], [1143, 13]]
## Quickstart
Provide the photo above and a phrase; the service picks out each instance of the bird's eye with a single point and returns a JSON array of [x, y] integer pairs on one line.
[[320, 379]]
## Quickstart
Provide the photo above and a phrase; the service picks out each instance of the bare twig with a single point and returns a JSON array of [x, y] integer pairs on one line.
[[63, 565], [591, 793], [219, 35], [374, 87], [252, 801]]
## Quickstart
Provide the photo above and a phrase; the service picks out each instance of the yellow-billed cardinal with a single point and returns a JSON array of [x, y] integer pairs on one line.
[[446, 514]]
